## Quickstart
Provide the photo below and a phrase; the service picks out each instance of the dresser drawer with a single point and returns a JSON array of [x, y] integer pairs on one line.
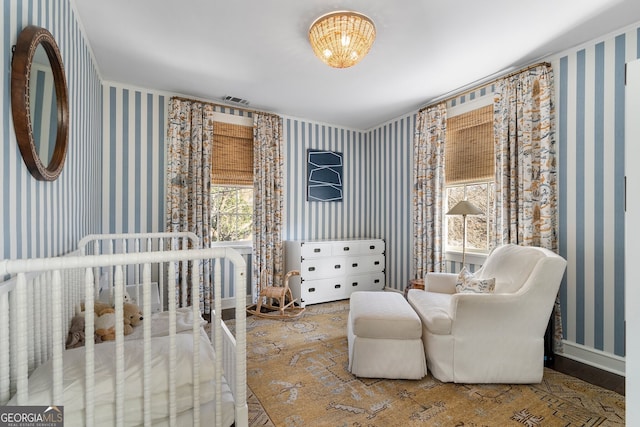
[[315, 249], [365, 282], [315, 291], [358, 247], [364, 264], [318, 268]]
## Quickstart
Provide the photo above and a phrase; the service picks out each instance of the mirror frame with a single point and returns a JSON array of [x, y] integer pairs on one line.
[[28, 41]]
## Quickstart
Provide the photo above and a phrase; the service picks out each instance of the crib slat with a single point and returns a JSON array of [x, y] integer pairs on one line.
[[240, 397], [34, 347], [96, 270], [44, 320], [217, 286], [119, 289], [5, 368], [56, 321], [183, 282], [195, 298], [136, 268], [89, 328], [146, 312], [171, 286], [49, 296], [20, 337]]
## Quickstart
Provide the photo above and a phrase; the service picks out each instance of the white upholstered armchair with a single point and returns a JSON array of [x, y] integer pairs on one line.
[[493, 337]]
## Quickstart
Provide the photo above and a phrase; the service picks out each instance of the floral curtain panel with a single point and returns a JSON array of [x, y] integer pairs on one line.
[[268, 202], [428, 190], [525, 207], [189, 139]]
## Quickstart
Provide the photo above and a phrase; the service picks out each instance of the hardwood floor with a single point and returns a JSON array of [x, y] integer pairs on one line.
[[589, 374]]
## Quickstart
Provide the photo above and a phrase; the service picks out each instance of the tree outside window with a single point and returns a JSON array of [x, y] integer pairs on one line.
[[480, 194], [231, 213]]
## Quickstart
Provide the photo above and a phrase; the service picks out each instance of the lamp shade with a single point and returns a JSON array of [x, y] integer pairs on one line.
[[341, 39], [464, 207]]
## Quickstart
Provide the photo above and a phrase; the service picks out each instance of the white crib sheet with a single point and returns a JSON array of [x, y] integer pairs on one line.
[[160, 324], [40, 391]]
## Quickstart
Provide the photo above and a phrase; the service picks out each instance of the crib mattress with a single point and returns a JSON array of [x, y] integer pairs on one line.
[[40, 390]]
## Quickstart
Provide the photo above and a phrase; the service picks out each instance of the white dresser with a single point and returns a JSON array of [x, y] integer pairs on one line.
[[331, 270]]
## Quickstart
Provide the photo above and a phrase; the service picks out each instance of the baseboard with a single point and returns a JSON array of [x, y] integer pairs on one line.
[[596, 358], [231, 302]]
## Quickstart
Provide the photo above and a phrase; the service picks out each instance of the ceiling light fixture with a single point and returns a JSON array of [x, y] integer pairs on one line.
[[341, 39]]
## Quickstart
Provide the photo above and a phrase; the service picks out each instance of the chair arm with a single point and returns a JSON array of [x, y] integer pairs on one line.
[[444, 283], [499, 314]]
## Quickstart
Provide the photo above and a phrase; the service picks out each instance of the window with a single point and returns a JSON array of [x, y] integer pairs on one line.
[[480, 194], [232, 183], [231, 213], [469, 174]]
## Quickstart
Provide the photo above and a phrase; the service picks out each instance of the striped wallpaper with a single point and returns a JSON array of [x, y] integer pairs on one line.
[[590, 98], [134, 161], [376, 188], [113, 179], [389, 203], [323, 220], [134, 157], [47, 218]]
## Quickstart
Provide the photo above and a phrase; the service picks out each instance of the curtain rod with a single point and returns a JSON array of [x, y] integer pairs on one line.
[[246, 110], [480, 84]]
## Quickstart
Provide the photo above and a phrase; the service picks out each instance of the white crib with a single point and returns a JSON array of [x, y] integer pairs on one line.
[[173, 375]]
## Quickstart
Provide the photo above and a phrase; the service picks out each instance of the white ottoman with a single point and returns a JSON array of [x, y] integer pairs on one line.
[[385, 337]]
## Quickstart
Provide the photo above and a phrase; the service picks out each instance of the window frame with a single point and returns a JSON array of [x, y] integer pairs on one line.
[[457, 250]]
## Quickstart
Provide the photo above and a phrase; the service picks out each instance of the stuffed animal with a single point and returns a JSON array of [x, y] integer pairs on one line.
[[76, 336], [133, 313], [105, 325], [98, 307]]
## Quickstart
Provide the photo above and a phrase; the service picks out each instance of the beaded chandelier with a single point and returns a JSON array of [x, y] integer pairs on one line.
[[341, 39]]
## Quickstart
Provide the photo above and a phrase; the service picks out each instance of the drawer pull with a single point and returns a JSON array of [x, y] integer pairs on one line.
[[316, 250], [355, 264], [354, 284], [312, 289], [346, 248], [372, 247], [376, 281], [337, 286], [337, 266], [376, 263], [312, 269]]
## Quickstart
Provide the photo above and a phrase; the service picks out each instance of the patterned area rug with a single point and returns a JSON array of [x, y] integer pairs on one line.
[[297, 373]]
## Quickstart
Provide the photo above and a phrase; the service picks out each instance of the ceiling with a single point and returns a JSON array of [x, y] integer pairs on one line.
[[258, 50]]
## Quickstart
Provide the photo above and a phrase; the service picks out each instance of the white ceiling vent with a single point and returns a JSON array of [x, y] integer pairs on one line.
[[235, 100]]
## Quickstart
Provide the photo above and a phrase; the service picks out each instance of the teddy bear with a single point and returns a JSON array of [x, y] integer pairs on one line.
[[105, 325], [133, 313], [76, 336], [98, 307]]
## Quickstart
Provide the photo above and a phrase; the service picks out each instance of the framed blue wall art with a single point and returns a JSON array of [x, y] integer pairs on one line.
[[324, 176]]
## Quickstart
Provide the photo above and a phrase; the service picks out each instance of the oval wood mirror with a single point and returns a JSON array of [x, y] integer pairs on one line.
[[39, 103]]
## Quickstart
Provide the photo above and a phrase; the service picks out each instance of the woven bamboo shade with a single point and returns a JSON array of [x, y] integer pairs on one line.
[[469, 147], [232, 154]]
